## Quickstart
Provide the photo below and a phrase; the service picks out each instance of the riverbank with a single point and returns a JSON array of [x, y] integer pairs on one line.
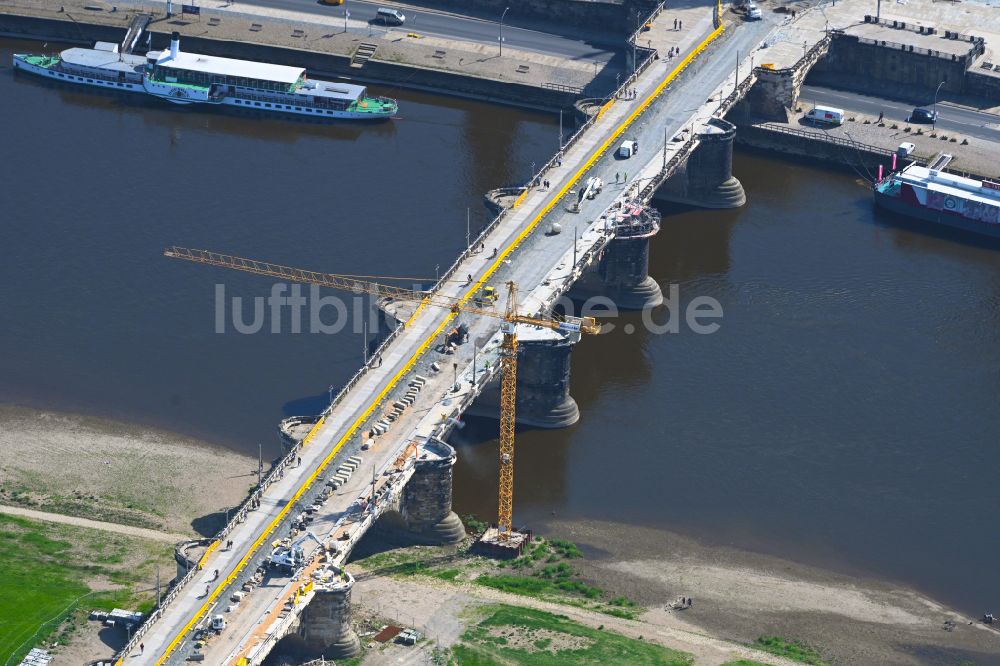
[[116, 472], [629, 580], [740, 595]]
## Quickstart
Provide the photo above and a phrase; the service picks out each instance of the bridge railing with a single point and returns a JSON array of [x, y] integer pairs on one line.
[[730, 101], [668, 169], [556, 160]]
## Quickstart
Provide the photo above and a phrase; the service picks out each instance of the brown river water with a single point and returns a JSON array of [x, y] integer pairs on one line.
[[845, 413]]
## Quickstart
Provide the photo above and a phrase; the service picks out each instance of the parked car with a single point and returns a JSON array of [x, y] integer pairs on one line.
[[920, 115], [389, 16], [753, 13], [628, 148], [825, 115]]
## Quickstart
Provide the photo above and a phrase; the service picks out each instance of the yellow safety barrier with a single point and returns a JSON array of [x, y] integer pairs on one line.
[[521, 197], [604, 107], [208, 551], [589, 162], [314, 430]]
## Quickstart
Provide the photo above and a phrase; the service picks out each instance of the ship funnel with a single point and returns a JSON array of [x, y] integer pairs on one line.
[[175, 44]]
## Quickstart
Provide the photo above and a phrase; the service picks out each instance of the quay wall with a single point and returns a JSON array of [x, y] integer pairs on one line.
[[811, 148], [320, 64], [611, 18]]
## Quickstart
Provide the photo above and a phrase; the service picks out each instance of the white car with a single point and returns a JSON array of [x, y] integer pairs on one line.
[[753, 13]]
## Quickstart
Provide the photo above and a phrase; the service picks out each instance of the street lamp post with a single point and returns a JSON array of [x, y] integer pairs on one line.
[[501, 28], [934, 108]]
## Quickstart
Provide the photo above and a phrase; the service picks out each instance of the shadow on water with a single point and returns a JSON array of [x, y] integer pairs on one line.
[[309, 405], [915, 234]]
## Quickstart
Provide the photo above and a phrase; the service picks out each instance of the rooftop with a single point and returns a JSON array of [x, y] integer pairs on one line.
[[103, 59], [950, 184], [343, 91], [194, 62]]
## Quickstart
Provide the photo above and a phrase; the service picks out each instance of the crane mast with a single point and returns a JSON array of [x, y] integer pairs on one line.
[[508, 420]]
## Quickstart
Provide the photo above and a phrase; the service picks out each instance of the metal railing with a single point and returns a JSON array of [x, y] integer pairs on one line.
[[561, 87], [975, 51], [827, 138]]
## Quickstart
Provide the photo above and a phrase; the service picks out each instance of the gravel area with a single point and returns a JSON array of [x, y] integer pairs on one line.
[[741, 595], [118, 473]]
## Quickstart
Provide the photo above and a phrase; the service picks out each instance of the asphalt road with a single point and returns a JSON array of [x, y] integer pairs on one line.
[[966, 121], [456, 27]]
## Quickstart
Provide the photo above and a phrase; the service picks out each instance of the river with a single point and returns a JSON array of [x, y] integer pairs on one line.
[[844, 414]]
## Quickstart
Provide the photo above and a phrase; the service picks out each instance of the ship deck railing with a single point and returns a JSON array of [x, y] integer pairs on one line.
[[45, 61], [178, 84]]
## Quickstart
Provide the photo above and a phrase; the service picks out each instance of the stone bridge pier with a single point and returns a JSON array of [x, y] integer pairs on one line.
[[325, 626], [543, 373], [622, 274], [706, 179], [424, 513]]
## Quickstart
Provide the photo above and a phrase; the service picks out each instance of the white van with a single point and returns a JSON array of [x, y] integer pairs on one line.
[[628, 149], [825, 115], [390, 16]]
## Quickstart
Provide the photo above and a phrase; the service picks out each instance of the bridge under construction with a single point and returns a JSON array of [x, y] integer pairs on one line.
[[378, 457]]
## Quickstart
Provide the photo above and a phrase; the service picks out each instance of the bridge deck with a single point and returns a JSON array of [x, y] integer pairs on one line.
[[540, 264]]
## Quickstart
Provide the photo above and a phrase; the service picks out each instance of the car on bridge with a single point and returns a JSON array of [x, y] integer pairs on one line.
[[487, 296], [921, 115]]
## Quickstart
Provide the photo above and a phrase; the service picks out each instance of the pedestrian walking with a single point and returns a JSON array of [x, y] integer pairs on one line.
[[675, 24], [298, 461], [680, 25], [881, 115], [142, 648], [618, 177], [625, 177]]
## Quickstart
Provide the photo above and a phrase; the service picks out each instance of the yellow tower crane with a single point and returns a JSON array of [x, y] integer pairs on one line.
[[362, 284]]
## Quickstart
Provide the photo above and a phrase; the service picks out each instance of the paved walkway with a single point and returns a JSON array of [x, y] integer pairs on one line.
[[128, 530]]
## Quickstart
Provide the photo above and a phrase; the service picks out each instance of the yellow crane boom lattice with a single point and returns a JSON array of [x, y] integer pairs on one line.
[[362, 284]]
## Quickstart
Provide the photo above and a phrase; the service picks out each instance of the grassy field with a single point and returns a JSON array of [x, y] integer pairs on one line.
[[789, 649], [543, 572], [47, 570], [514, 635]]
